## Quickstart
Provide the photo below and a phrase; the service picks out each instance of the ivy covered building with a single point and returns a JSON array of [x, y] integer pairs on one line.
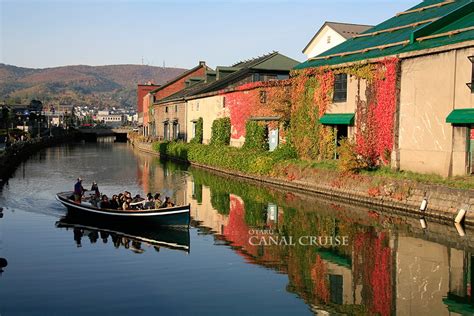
[[235, 92], [401, 90]]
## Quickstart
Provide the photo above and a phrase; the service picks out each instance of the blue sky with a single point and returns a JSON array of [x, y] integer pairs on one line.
[[41, 34]]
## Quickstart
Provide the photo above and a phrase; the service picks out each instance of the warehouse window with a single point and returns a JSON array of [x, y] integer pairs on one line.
[[340, 88]]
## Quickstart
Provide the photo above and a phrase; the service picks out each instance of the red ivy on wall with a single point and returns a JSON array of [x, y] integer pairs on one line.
[[375, 119], [323, 91], [245, 101]]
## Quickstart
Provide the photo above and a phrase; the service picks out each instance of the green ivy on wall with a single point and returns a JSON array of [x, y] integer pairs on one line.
[[221, 131], [256, 136], [198, 136]]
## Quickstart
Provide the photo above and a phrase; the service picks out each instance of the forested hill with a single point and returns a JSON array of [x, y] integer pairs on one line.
[[111, 85]]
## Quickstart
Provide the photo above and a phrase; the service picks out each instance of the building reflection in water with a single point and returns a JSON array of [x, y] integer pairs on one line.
[[391, 265], [156, 178]]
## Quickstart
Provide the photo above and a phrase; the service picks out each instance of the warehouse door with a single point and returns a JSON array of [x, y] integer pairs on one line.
[[273, 139]]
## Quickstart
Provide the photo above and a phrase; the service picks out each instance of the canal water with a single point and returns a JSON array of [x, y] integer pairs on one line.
[[251, 250]]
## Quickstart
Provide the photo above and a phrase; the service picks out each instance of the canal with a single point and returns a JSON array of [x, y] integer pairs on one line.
[[251, 249]]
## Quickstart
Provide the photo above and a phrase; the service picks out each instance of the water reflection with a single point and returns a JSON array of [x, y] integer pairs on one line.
[[3, 264], [134, 238], [391, 264]]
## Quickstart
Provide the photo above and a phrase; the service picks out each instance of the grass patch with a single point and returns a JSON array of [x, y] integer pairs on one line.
[[465, 182], [283, 162]]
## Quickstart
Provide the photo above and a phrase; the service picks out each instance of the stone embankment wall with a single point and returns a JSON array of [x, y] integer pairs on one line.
[[397, 196]]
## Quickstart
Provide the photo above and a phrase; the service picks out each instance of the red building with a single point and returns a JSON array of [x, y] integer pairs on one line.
[[168, 89], [142, 90]]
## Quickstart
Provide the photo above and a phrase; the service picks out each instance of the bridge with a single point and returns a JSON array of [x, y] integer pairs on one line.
[[91, 134]]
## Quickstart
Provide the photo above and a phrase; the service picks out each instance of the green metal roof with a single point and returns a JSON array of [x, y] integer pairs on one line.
[[461, 116], [461, 308], [337, 119], [456, 15]]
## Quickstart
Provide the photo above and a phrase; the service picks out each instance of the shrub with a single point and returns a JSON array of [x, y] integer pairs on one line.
[[256, 136], [348, 158], [220, 134], [261, 165], [327, 144], [284, 152], [197, 139], [174, 149]]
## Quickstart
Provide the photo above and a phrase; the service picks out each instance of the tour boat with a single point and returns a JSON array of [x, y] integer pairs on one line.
[[167, 237], [170, 216]]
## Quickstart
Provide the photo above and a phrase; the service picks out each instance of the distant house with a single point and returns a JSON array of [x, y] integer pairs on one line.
[[205, 97], [332, 34], [110, 119], [419, 110], [164, 91]]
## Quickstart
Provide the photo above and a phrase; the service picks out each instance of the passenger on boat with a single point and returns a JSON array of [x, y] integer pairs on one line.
[[150, 204], [95, 188], [158, 202], [167, 203], [94, 200], [126, 205], [78, 190], [104, 203], [137, 198], [114, 203]]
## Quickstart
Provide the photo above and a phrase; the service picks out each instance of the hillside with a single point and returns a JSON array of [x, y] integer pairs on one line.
[[101, 86]]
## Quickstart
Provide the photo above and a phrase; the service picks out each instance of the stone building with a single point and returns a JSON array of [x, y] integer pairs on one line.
[[167, 89]]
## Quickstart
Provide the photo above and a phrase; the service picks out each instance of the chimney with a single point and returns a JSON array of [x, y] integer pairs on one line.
[[202, 63]]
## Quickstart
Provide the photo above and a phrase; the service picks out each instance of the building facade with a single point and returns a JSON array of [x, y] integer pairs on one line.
[[142, 91], [235, 90], [150, 126], [402, 89]]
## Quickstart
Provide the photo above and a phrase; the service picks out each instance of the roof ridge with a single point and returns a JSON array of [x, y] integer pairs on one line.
[[423, 8], [344, 23], [251, 60], [396, 28], [184, 74]]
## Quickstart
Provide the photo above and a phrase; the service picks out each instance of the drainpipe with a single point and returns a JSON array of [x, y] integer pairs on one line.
[[450, 165], [395, 163], [185, 120]]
